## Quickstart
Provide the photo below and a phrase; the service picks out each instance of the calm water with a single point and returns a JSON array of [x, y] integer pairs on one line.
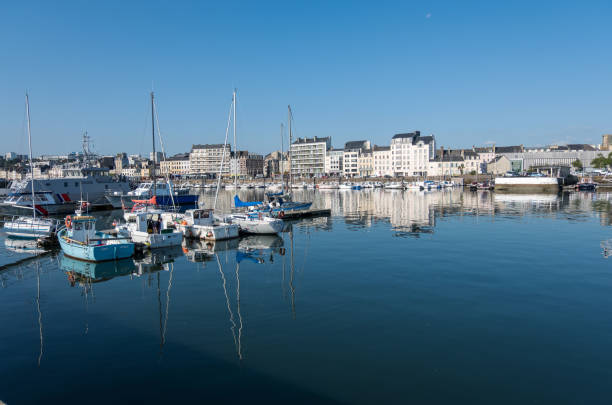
[[398, 297]]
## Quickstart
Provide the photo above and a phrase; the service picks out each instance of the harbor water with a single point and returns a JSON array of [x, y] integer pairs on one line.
[[397, 297]]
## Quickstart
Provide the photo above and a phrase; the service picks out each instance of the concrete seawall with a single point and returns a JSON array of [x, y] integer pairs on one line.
[[528, 184]]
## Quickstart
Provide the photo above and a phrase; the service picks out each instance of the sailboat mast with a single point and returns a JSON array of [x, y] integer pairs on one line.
[[30, 148], [153, 138], [282, 166], [289, 118], [236, 160]]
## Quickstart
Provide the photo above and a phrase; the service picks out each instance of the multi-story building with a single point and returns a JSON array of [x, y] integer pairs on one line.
[[121, 161], [130, 172], [272, 164], [246, 164], [365, 163], [350, 158], [333, 162], [606, 142], [177, 165], [308, 156], [381, 161], [523, 158], [411, 153], [205, 160]]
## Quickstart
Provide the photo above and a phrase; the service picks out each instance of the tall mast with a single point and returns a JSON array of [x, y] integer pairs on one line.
[[289, 118], [281, 165], [153, 138], [30, 147], [236, 157]]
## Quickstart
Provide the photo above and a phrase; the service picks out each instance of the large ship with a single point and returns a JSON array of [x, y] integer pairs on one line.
[[57, 196]]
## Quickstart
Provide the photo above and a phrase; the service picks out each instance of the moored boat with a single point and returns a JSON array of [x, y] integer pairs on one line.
[[80, 240]]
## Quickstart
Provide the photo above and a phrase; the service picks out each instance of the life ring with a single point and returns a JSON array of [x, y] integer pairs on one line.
[[281, 214], [68, 222], [184, 223]]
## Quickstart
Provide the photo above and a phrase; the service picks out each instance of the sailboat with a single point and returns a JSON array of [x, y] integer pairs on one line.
[[201, 223], [150, 226], [26, 226], [254, 222]]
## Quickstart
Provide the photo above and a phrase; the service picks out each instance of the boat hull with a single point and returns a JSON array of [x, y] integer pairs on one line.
[[29, 228], [211, 232], [157, 240], [95, 253], [259, 226]]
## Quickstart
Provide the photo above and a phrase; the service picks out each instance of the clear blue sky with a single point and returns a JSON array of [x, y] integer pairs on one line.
[[468, 72]]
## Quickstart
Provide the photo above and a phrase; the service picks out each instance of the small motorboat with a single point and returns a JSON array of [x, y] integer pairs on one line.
[[201, 224], [586, 184], [30, 227], [153, 228], [80, 240]]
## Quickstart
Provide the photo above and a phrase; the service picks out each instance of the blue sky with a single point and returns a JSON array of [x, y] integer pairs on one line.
[[468, 72]]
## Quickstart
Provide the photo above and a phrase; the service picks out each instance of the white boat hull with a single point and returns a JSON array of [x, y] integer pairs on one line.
[[157, 240], [220, 231]]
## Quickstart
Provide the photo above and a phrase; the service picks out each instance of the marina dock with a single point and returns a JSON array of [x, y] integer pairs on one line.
[[307, 213]]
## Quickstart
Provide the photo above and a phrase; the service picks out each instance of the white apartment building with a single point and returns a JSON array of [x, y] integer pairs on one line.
[[308, 156], [177, 165], [381, 161], [411, 153], [333, 162], [206, 159], [365, 163], [350, 159]]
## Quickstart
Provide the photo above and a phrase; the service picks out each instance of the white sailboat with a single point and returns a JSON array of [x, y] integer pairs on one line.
[[26, 226], [251, 222]]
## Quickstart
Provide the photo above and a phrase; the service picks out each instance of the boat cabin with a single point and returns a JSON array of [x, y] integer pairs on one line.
[[81, 228], [149, 222], [199, 217]]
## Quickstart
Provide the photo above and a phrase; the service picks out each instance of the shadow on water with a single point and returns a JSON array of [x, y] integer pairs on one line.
[[92, 375]]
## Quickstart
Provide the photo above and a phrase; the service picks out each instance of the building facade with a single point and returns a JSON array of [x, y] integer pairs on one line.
[[350, 158], [411, 153], [205, 160], [333, 162], [381, 161], [177, 165], [308, 156]]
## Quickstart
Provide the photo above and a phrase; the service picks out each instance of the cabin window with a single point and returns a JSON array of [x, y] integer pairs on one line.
[[76, 184], [65, 184], [87, 226], [78, 227]]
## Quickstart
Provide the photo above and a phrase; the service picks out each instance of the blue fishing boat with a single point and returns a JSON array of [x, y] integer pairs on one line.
[[80, 240]]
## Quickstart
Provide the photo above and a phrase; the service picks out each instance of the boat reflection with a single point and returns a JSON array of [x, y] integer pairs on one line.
[[259, 248], [79, 271], [157, 260], [27, 246], [201, 250]]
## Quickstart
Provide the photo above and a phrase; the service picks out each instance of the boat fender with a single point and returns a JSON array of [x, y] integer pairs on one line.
[[209, 234], [281, 214], [68, 222]]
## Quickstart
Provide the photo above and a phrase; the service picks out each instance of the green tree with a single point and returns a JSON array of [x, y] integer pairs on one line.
[[577, 164], [601, 162]]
